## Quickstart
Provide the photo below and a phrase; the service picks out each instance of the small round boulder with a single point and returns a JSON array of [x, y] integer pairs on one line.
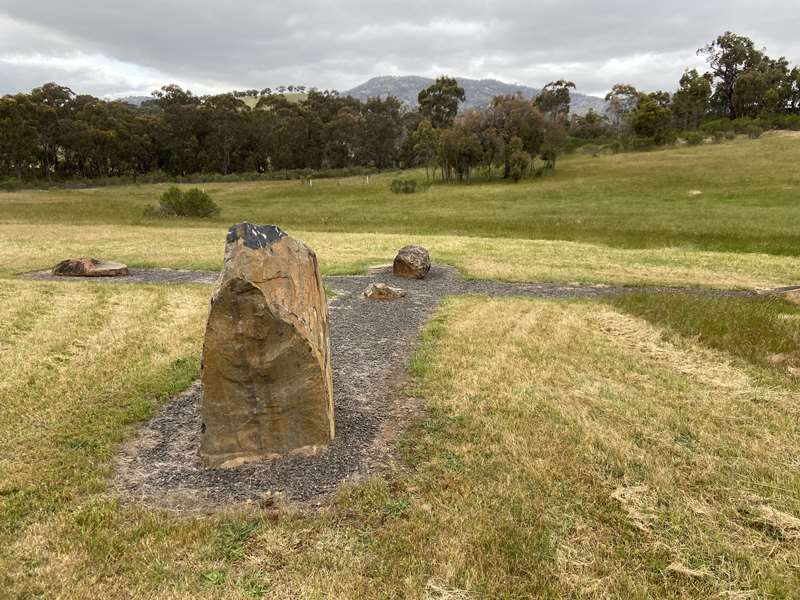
[[89, 267], [381, 291], [412, 262]]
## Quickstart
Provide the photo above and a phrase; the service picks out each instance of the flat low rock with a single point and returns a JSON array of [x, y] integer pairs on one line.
[[411, 262], [382, 291], [89, 267]]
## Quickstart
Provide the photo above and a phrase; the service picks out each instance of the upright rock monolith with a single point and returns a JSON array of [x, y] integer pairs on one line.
[[266, 377]]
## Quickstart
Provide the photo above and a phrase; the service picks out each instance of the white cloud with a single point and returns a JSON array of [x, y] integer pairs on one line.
[[118, 47]]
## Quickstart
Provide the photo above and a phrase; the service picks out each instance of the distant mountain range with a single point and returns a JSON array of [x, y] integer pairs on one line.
[[135, 100], [479, 92]]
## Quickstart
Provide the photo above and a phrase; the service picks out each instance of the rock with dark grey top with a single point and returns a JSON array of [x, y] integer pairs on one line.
[[267, 388], [89, 267], [412, 262], [254, 237]]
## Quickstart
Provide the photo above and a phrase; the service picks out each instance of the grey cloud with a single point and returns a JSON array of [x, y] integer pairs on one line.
[[212, 45]]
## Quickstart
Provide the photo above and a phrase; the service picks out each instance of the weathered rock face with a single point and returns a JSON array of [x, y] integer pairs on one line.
[[413, 262], [89, 267], [381, 291], [267, 388]]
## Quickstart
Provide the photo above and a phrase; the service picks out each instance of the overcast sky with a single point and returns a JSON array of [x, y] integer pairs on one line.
[[116, 47]]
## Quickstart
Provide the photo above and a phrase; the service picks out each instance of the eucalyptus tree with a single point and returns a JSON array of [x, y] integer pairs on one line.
[[19, 139], [554, 99], [652, 117], [514, 116], [691, 102], [439, 102], [228, 121], [622, 100], [426, 144], [383, 130]]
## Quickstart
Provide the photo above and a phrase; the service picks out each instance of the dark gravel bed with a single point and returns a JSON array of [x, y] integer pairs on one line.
[[372, 342], [447, 282], [136, 276]]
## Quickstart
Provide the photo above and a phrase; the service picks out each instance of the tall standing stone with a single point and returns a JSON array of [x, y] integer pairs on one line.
[[266, 377]]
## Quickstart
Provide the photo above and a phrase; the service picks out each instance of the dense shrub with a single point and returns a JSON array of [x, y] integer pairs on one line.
[[574, 144], [191, 203], [519, 163], [404, 186], [9, 184], [753, 131], [717, 125], [730, 135], [745, 124], [591, 149], [717, 136], [693, 138], [790, 122], [643, 143]]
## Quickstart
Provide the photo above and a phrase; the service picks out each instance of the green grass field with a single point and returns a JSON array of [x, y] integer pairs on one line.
[[749, 202], [646, 446], [630, 218]]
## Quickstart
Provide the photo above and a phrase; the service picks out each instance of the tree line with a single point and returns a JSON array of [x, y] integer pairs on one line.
[[52, 133], [744, 89]]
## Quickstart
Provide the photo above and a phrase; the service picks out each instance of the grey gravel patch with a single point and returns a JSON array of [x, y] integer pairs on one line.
[[371, 345], [160, 276]]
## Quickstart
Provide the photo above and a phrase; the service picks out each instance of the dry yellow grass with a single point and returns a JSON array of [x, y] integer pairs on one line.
[[23, 248], [645, 464], [570, 451]]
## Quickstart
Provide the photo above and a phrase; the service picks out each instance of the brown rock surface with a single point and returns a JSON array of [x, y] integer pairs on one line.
[[381, 291], [267, 388], [412, 262], [89, 267]]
